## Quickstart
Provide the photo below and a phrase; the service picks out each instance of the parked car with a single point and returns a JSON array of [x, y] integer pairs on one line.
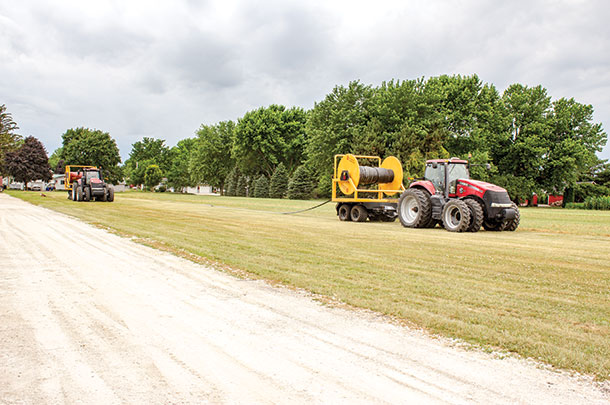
[[16, 186], [36, 185]]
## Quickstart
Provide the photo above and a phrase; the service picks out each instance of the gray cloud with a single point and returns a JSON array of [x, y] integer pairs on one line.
[[154, 69]]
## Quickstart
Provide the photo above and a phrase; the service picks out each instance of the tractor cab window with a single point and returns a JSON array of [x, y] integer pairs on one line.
[[92, 175], [435, 172], [456, 171]]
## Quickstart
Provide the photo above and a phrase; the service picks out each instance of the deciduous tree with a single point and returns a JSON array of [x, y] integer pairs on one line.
[[179, 175], [29, 162], [152, 176], [269, 136], [92, 147], [148, 151], [211, 160]]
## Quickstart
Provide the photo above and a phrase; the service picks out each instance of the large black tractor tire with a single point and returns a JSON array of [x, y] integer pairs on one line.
[[414, 208], [476, 215], [456, 216], [79, 193], [110, 197], [358, 213], [493, 226], [511, 225], [104, 195], [344, 212], [87, 194], [387, 218]]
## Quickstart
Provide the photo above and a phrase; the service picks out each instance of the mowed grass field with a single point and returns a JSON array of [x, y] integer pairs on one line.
[[541, 292]]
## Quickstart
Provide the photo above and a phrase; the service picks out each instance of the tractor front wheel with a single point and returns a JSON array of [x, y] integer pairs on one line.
[[456, 216], [79, 194], [512, 224], [414, 209], [476, 215], [344, 212], [358, 213], [110, 197], [87, 194], [494, 226]]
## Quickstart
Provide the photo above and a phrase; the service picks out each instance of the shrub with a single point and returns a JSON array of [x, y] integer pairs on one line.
[[575, 206], [261, 187], [279, 182], [300, 186], [598, 203], [592, 203]]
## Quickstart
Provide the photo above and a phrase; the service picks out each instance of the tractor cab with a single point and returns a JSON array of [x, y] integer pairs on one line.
[[91, 174], [444, 174]]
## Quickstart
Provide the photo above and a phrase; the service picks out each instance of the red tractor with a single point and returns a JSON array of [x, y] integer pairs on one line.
[[447, 195], [85, 183]]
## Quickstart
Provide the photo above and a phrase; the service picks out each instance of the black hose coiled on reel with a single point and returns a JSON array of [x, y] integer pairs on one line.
[[375, 175]]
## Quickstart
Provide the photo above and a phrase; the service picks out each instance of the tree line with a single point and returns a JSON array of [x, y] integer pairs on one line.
[[534, 144]]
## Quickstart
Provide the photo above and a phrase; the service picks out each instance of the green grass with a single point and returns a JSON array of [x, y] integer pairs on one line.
[[542, 292]]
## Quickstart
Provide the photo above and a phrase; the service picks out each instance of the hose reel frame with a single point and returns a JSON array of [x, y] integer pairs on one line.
[[388, 176]]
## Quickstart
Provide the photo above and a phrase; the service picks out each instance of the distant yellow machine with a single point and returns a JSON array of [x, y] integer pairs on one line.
[[72, 174], [86, 183], [374, 203]]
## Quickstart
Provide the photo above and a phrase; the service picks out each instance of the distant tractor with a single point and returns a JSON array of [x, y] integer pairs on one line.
[[86, 183], [447, 195]]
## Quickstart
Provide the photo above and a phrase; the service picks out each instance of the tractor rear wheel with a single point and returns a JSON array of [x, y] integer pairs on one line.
[[512, 224], [87, 195], [476, 215], [456, 216], [358, 213], [110, 197], [414, 208], [79, 193], [344, 212]]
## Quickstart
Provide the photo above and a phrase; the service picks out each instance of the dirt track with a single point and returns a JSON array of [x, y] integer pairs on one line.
[[135, 325]]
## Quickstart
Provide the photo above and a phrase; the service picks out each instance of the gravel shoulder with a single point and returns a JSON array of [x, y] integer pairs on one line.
[[88, 316]]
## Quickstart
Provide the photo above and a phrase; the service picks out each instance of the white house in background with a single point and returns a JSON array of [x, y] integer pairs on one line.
[[59, 180], [201, 189]]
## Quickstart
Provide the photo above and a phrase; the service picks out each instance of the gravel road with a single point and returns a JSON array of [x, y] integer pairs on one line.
[[89, 317]]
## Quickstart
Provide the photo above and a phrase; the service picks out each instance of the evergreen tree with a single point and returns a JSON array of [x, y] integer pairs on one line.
[[261, 187], [231, 182], [242, 184], [279, 182], [301, 184], [9, 140]]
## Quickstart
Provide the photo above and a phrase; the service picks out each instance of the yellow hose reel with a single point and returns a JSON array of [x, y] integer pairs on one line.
[[388, 175]]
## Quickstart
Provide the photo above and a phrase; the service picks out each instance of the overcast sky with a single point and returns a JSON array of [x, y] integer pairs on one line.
[[162, 68]]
